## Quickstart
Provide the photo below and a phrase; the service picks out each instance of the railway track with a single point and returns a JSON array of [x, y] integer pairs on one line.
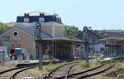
[[15, 68], [61, 70], [78, 73], [11, 73], [68, 71], [91, 73], [16, 73], [82, 74]]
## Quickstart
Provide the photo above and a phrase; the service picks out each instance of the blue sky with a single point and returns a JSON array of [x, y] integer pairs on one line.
[[98, 14]]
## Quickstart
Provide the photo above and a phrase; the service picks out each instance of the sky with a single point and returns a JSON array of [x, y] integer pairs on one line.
[[98, 14]]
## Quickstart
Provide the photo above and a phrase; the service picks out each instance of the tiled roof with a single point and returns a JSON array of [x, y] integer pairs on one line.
[[106, 34], [72, 37], [30, 31]]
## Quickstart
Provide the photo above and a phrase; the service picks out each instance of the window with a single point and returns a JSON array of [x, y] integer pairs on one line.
[[41, 19], [15, 34], [26, 19]]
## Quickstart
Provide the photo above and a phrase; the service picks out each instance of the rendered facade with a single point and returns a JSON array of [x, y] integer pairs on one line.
[[54, 43]]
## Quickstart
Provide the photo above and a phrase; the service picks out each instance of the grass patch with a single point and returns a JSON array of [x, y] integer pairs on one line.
[[45, 68], [121, 64], [50, 66], [50, 60], [110, 63], [92, 65], [83, 65]]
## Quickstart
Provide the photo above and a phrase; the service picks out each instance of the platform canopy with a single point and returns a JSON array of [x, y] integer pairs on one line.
[[111, 38]]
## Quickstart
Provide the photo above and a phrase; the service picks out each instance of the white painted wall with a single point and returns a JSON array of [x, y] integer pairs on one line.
[[97, 47], [3, 48]]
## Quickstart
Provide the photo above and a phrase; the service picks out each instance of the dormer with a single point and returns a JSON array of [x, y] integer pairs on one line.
[[26, 17], [41, 18]]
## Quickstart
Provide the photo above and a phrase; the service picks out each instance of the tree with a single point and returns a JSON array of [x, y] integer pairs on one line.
[[72, 29], [3, 28]]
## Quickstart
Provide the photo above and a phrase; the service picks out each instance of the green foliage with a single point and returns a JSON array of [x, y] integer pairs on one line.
[[3, 28], [97, 54], [120, 64], [50, 66], [99, 62], [109, 62], [73, 30], [83, 65]]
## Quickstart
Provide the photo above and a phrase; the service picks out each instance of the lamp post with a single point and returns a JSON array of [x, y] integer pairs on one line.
[[38, 39], [85, 38]]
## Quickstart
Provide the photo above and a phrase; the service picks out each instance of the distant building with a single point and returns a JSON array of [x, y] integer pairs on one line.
[[110, 43], [10, 24]]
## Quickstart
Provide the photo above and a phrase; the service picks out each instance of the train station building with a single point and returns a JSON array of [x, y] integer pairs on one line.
[[54, 43], [109, 43]]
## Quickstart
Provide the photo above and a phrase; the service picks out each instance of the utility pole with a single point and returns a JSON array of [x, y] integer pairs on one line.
[[52, 49], [85, 38], [38, 39]]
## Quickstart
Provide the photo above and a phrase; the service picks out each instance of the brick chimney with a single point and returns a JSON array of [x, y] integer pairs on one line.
[[41, 18], [26, 17], [41, 14], [68, 32]]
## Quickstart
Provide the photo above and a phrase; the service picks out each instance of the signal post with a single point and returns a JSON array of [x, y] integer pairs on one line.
[[38, 39], [85, 38]]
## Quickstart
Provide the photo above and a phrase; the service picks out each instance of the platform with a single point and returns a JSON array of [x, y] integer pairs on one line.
[[30, 62]]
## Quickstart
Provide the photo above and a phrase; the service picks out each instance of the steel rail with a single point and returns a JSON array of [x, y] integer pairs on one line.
[[98, 72], [48, 75], [14, 75], [66, 77], [77, 73]]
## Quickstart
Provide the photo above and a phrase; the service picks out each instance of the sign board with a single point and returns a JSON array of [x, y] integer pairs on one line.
[[37, 46]]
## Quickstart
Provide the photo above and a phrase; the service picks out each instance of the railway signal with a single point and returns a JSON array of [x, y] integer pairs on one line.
[[37, 33], [38, 39], [85, 38]]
